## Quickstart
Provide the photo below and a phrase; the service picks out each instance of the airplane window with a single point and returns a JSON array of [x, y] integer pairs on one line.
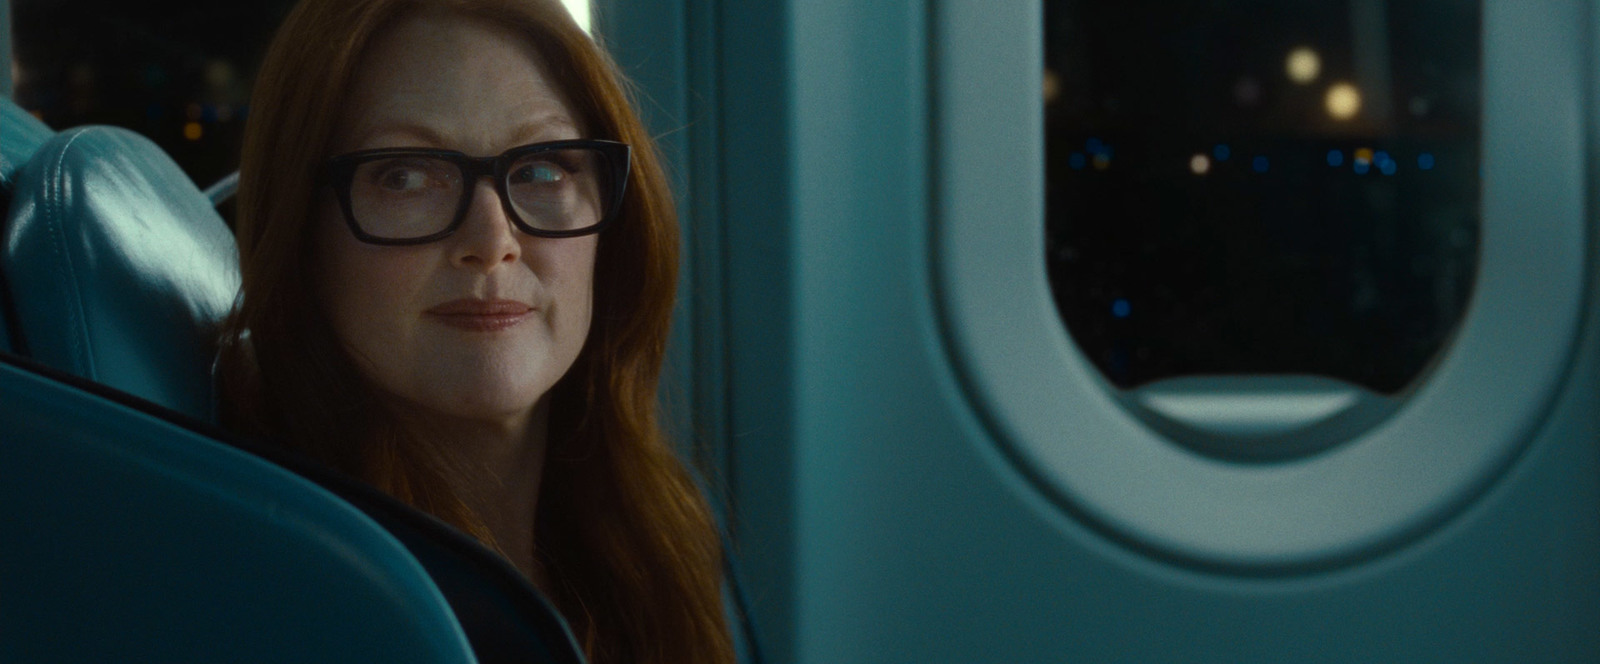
[[1259, 186]]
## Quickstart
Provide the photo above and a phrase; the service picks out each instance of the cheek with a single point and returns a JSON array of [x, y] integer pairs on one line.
[[566, 267], [362, 289]]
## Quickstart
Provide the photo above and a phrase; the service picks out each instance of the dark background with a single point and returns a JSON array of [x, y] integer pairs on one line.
[[1287, 265], [160, 68]]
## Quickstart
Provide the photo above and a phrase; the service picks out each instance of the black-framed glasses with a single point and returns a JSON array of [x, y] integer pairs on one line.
[[418, 195]]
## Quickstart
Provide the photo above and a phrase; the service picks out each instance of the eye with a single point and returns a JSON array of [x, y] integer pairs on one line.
[[541, 172], [403, 179], [402, 176]]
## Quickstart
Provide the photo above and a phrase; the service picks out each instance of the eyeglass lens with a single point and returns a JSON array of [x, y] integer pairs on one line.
[[414, 196]]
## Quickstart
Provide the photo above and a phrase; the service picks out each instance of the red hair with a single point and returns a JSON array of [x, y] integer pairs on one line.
[[625, 534]]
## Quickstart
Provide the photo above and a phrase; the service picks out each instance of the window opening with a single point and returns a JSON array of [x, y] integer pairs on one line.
[[1264, 187]]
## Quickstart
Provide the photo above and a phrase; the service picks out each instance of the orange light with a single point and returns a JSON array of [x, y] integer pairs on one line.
[[1364, 154], [192, 131]]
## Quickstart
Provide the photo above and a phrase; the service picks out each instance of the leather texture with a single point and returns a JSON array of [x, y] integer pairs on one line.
[[119, 268], [130, 539], [21, 134]]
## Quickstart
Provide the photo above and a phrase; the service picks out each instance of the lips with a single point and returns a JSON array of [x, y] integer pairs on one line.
[[481, 315]]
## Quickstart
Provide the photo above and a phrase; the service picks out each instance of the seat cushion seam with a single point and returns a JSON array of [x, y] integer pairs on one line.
[[55, 223]]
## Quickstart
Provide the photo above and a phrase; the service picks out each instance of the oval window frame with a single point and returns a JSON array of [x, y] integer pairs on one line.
[[1446, 441]]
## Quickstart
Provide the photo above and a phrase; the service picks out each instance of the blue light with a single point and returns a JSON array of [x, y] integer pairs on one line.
[[1093, 146], [1259, 164], [1362, 167], [1335, 158], [1222, 152], [1121, 308], [1425, 161], [1077, 161], [1387, 167]]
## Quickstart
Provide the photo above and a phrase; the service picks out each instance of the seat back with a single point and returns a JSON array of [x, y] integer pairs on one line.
[[129, 539], [21, 134], [119, 268]]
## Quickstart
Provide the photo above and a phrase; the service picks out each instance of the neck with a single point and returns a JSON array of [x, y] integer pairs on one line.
[[503, 464]]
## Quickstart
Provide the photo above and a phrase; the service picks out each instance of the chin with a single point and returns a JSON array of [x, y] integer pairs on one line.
[[498, 410]]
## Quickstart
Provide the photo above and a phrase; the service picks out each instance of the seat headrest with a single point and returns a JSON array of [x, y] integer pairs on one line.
[[21, 134], [119, 267]]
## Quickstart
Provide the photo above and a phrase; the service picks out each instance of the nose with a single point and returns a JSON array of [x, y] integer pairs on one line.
[[486, 237]]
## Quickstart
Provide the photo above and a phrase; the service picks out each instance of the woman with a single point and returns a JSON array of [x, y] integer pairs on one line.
[[459, 255]]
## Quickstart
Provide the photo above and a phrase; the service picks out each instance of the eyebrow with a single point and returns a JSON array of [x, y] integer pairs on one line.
[[529, 132]]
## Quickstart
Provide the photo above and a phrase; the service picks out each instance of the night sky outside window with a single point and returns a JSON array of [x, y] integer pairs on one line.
[[1262, 187]]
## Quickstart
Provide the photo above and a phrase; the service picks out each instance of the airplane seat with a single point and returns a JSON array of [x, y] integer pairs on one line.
[[21, 134], [119, 268], [128, 538]]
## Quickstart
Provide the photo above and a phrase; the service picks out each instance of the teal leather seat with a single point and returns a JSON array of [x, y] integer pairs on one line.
[[21, 134], [127, 538], [119, 268]]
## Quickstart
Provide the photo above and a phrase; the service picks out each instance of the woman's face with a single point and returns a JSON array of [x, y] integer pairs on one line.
[[477, 326]]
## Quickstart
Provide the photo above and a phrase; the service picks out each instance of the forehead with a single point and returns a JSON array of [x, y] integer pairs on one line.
[[456, 83]]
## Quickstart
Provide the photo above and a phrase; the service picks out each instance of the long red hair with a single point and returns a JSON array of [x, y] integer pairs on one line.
[[626, 536]]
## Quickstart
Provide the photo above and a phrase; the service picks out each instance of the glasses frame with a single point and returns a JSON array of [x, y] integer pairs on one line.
[[339, 173]]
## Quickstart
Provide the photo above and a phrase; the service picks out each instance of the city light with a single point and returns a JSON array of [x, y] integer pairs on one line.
[[1363, 161], [1385, 163], [1199, 164], [1100, 151], [1247, 92], [192, 131], [1419, 106], [1121, 308], [1343, 101], [1303, 65]]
